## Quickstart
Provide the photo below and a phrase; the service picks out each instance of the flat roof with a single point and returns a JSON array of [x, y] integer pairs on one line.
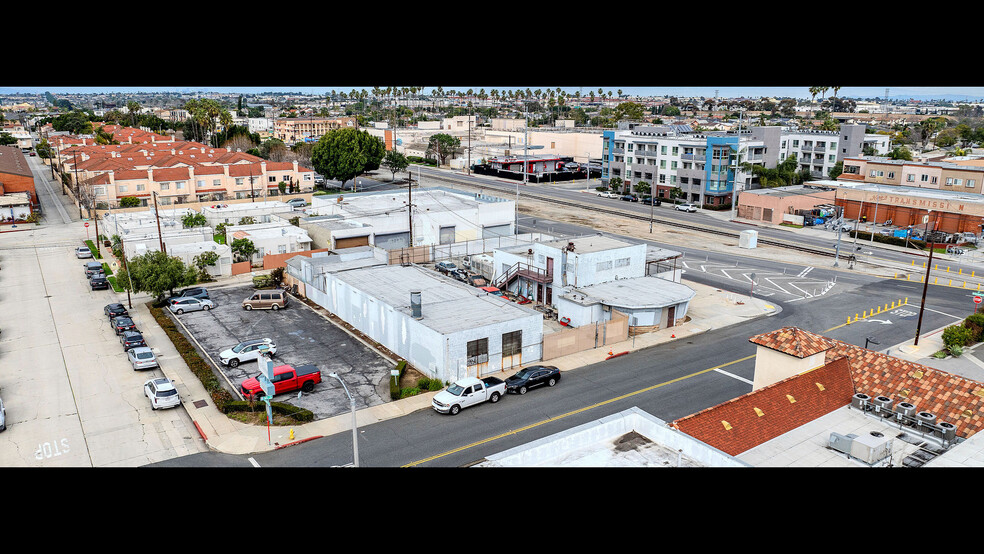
[[793, 190], [447, 305], [920, 192], [592, 243], [637, 292]]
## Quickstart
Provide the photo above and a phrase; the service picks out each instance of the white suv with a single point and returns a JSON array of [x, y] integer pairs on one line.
[[161, 393], [246, 351], [687, 208]]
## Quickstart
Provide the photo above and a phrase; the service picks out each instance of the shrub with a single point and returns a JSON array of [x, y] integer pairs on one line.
[[957, 335], [297, 414], [406, 393], [975, 322]]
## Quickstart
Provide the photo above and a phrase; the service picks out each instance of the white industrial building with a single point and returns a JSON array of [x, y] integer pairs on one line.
[[140, 241], [188, 251], [442, 327], [270, 238], [585, 278], [144, 221], [231, 214], [381, 218]]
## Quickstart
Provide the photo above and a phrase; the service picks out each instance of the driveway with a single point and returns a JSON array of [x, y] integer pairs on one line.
[[302, 337]]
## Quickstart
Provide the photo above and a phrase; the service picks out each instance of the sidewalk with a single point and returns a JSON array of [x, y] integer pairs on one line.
[[710, 309]]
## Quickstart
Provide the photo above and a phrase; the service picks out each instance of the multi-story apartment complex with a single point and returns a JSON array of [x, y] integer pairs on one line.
[[298, 129], [944, 175], [708, 166]]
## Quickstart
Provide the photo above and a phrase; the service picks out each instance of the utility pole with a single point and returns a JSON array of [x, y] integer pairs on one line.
[[929, 266], [157, 214]]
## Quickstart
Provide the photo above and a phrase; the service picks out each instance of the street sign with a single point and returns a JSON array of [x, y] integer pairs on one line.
[[977, 299], [86, 223]]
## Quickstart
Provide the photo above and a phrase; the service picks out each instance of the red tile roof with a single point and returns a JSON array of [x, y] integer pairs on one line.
[[794, 341], [764, 414]]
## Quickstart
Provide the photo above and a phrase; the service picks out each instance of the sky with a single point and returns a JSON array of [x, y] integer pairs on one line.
[[900, 92]]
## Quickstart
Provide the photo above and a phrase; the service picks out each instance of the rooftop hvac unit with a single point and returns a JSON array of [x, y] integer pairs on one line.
[[949, 430], [860, 401], [870, 448], [906, 412], [926, 419], [841, 443], [883, 406]]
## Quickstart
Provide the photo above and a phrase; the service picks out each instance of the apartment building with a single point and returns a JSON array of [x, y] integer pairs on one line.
[[934, 175], [299, 129], [708, 166]]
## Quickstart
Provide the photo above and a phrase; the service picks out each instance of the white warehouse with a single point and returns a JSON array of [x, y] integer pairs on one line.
[[440, 216], [442, 327]]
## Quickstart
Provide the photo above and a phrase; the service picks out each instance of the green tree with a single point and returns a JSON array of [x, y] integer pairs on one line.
[[193, 219], [129, 202], [243, 248], [156, 273], [615, 183], [395, 161], [202, 262], [835, 171], [344, 154], [443, 145], [629, 110], [643, 188], [670, 111]]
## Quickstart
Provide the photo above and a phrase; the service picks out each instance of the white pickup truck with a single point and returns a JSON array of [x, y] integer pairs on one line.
[[468, 392]]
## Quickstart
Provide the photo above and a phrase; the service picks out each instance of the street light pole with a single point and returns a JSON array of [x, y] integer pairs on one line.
[[355, 433], [929, 266]]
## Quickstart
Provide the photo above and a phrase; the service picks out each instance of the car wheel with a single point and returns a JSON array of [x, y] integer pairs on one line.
[[494, 398], [522, 390], [551, 382], [206, 308], [307, 387], [179, 311], [233, 363], [275, 307], [248, 308], [454, 409]]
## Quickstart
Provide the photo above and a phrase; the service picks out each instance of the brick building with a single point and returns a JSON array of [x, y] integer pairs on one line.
[[15, 174]]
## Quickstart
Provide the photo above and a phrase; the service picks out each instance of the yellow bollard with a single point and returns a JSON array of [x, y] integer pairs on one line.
[[291, 434], [855, 317], [936, 280], [913, 262], [972, 273], [960, 272], [848, 320], [950, 283]]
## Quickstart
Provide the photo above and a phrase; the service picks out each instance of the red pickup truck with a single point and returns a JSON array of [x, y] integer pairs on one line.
[[285, 379]]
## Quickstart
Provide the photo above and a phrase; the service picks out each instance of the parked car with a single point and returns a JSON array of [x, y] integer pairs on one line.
[[246, 351], [605, 194], [190, 304], [131, 339], [114, 310], [477, 281], [686, 207], [532, 377], [651, 200], [630, 198], [142, 357], [460, 274], [193, 292], [492, 290], [296, 203], [123, 323], [3, 416], [266, 300], [285, 379], [445, 267], [83, 252], [99, 282], [161, 393], [91, 268], [468, 392]]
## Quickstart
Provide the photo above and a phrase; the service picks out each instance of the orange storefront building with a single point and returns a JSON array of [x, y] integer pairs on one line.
[[950, 211]]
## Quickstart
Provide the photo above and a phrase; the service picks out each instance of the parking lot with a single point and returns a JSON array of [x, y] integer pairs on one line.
[[302, 337]]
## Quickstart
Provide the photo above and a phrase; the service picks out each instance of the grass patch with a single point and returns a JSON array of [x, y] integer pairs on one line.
[[106, 269], [94, 250], [114, 284]]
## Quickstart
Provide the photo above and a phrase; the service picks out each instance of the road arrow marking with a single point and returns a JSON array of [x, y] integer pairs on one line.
[[883, 322]]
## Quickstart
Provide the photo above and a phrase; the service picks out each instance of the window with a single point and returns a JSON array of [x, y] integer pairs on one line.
[[891, 174], [512, 343], [165, 186], [673, 165], [272, 178], [924, 177], [676, 150], [179, 185], [970, 183], [662, 150], [478, 351], [122, 188], [215, 182], [603, 266], [910, 178], [141, 187], [623, 262], [239, 181]]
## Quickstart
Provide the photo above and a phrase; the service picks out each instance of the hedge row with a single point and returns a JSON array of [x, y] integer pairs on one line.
[[298, 414], [198, 366]]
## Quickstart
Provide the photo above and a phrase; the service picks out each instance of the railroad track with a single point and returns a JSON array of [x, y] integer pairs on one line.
[[640, 217]]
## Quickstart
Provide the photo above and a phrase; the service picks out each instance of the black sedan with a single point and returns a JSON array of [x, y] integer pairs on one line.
[[630, 198], [531, 377], [131, 339], [114, 310], [123, 323], [99, 282]]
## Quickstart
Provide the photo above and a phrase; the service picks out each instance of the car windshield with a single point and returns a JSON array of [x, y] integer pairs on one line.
[[239, 347], [523, 373], [456, 389]]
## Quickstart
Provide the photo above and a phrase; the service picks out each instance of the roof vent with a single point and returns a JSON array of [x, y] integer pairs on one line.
[[949, 430], [906, 412], [415, 311], [883, 406], [860, 401]]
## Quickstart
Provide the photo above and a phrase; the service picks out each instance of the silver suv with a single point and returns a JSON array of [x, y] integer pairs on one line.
[[246, 351]]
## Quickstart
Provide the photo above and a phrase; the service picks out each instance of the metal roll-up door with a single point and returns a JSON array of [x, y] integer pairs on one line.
[[392, 241], [447, 235], [350, 242], [496, 231]]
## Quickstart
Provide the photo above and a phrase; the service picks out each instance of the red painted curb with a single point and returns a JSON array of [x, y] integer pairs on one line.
[[200, 432], [297, 442], [617, 355]]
